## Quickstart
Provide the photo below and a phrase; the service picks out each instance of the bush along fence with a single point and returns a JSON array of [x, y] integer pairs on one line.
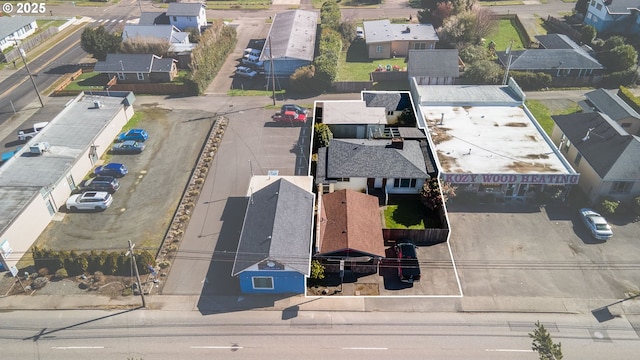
[[75, 263], [181, 217]]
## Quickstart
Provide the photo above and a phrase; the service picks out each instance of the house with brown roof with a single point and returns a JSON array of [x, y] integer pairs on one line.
[[386, 40], [350, 231]]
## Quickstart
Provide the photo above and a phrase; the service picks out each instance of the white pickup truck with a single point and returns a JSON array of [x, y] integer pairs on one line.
[[30, 132]]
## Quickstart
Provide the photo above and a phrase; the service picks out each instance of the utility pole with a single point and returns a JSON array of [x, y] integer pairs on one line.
[[135, 268], [26, 66], [272, 73]]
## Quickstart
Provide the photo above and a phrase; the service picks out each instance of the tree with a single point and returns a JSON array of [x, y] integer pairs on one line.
[[581, 6], [302, 80], [330, 15], [468, 26], [543, 344], [472, 53], [620, 58], [484, 72], [587, 34], [317, 271], [433, 196], [613, 42], [322, 135], [99, 42]]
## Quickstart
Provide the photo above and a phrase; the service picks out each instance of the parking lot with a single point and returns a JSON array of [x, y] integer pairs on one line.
[[148, 195]]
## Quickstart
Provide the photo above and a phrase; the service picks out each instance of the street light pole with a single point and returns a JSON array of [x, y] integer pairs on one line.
[[135, 268], [26, 66]]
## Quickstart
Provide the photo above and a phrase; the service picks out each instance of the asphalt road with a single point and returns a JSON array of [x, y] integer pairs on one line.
[[138, 334]]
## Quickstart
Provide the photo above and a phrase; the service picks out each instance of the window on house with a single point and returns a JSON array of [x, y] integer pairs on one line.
[[121, 76], [140, 76], [390, 112], [565, 144], [419, 46], [342, 179], [577, 160], [404, 183], [621, 187], [593, 2], [378, 49], [175, 18], [262, 282], [599, 6]]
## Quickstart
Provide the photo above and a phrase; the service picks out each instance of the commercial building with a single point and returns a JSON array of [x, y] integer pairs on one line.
[[488, 143]]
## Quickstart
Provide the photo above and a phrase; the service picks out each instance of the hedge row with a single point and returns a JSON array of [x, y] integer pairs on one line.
[[109, 263], [531, 80], [215, 45], [326, 64], [629, 98]]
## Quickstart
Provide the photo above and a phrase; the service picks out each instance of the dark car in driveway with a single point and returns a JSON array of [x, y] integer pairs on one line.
[[101, 183], [408, 265], [111, 169], [128, 147]]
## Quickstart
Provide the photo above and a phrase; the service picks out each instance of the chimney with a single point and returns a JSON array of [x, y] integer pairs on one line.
[[397, 143]]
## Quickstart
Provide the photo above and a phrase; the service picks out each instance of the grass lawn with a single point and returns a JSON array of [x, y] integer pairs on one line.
[[504, 33], [236, 4], [87, 81], [541, 112], [354, 64], [406, 214]]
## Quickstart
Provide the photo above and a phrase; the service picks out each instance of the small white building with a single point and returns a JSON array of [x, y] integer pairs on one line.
[[187, 15]]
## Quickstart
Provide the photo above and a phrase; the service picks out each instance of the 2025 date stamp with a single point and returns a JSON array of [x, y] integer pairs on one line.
[[24, 8]]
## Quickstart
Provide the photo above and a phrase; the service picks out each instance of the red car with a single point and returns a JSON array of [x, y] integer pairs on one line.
[[290, 117]]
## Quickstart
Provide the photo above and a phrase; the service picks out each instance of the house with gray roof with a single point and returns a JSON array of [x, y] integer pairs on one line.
[[274, 250], [390, 166], [178, 45], [605, 155], [291, 42], [154, 18], [434, 66], [385, 40], [609, 103], [137, 68], [614, 16], [15, 27], [33, 186], [567, 60], [187, 15]]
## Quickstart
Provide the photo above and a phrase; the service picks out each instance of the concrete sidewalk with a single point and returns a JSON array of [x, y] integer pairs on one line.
[[222, 304]]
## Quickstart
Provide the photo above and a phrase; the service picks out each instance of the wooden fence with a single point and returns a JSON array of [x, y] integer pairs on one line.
[[424, 237]]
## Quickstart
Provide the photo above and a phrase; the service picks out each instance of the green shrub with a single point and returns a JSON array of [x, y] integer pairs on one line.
[[629, 98], [61, 274], [609, 207], [317, 270], [531, 80], [618, 78]]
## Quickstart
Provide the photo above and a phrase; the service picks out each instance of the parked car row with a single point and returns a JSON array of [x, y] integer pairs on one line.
[[95, 194], [291, 114], [250, 65]]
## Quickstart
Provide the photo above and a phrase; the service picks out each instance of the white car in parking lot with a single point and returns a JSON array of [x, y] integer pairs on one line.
[[89, 200], [596, 223]]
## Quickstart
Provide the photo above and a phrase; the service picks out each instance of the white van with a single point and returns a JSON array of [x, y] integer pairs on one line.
[[252, 52], [359, 32]]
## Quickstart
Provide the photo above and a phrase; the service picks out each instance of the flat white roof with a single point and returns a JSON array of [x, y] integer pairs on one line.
[[491, 139], [352, 112]]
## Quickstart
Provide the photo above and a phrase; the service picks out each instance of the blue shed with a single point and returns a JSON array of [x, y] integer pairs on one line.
[[274, 250], [291, 42]]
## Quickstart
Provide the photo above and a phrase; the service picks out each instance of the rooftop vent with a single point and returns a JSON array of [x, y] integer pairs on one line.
[[397, 143]]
